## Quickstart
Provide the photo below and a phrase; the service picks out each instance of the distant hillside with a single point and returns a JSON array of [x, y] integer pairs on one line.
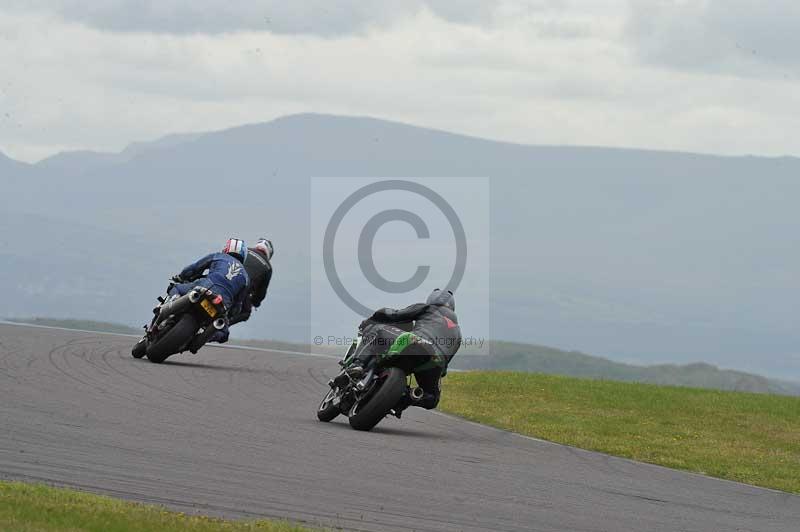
[[75, 163], [8, 166], [509, 356]]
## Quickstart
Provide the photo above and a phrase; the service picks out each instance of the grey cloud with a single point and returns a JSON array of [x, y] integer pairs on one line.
[[317, 17], [462, 11], [740, 37]]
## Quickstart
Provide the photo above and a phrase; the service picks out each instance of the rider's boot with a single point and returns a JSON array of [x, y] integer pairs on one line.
[[404, 403], [352, 372], [196, 343]]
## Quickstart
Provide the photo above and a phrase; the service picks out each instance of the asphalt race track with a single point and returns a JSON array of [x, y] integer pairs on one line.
[[233, 432]]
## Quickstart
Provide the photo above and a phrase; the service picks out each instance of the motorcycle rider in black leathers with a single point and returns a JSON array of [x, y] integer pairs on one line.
[[434, 322], [259, 269]]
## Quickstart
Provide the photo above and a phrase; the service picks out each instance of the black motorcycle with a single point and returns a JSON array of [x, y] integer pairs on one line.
[[182, 323], [384, 389]]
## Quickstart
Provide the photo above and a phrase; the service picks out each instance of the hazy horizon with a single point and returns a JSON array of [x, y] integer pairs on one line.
[[167, 135], [638, 256]]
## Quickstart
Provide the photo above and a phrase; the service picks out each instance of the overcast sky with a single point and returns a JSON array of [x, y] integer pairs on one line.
[[715, 76]]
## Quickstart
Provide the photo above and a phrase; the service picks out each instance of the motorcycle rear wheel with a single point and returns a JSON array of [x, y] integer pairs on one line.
[[365, 416], [173, 340]]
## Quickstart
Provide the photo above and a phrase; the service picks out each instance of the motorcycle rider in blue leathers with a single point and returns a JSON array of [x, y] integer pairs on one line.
[[223, 273]]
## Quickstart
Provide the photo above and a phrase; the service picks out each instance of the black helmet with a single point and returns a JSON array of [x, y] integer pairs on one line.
[[443, 298]]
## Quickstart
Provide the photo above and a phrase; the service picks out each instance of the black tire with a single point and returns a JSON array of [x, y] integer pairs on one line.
[[173, 340], [327, 411], [389, 393], [140, 349]]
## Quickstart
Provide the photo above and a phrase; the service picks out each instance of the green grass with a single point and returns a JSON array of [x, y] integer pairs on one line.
[[38, 508], [752, 438]]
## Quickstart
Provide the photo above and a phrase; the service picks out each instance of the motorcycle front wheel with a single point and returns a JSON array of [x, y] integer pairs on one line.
[[328, 411], [140, 349]]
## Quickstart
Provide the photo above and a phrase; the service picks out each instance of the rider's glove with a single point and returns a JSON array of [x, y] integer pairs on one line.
[[177, 279]]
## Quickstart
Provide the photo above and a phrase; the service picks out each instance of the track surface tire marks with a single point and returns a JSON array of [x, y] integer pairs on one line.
[[232, 432]]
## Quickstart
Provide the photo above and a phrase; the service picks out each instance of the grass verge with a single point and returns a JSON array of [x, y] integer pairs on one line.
[[751, 438], [39, 508]]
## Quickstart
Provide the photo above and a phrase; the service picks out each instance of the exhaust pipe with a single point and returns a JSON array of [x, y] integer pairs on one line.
[[417, 394], [219, 324], [174, 307], [195, 295]]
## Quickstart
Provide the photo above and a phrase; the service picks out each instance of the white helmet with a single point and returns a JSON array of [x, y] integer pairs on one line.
[[264, 246], [236, 248]]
